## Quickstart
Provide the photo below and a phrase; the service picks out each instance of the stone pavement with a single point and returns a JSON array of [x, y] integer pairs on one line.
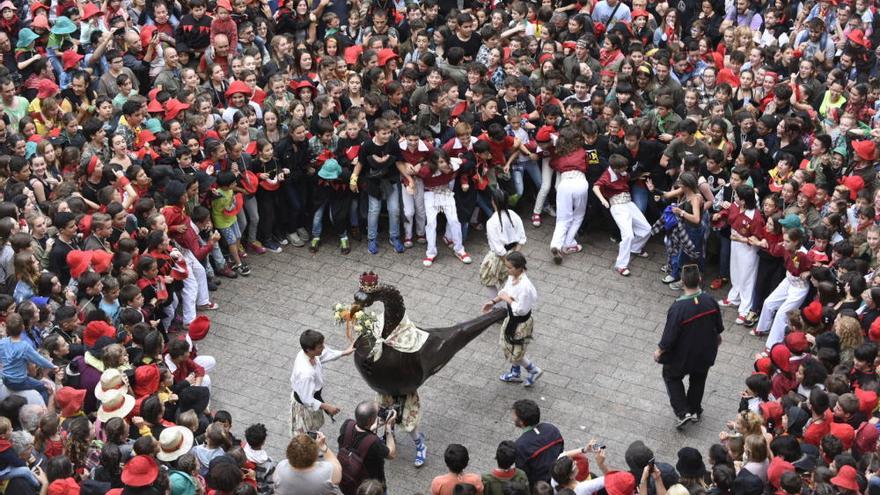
[[595, 332]]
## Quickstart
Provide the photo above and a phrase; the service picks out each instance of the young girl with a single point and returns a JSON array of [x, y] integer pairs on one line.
[[570, 162], [437, 174], [505, 234], [612, 190], [516, 330], [745, 222]]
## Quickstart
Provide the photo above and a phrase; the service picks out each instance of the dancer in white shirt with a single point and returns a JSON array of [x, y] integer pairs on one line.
[[307, 406], [505, 233]]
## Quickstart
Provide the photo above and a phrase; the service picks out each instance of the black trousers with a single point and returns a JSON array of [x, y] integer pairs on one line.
[[684, 402], [770, 273]]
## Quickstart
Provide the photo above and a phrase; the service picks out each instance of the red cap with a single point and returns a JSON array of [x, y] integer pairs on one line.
[[141, 470], [352, 53], [797, 342], [198, 328], [70, 400], [845, 433], [569, 45], [781, 357], [771, 412], [386, 54], [66, 486], [97, 329], [867, 401], [866, 438], [101, 261], [70, 59], [47, 88], [857, 36], [620, 483], [764, 365], [78, 262], [154, 106], [813, 313], [545, 134], [639, 13], [224, 4], [809, 190], [854, 183], [778, 466], [147, 34]]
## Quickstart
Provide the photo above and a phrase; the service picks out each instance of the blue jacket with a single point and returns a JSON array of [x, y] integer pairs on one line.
[[14, 356]]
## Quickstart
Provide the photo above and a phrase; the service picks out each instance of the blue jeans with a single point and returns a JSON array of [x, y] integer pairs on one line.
[[530, 167], [484, 203], [390, 194], [696, 234], [640, 197], [28, 384], [724, 257]]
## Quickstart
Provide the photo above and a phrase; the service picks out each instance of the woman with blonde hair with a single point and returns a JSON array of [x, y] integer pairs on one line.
[[27, 273], [755, 456], [849, 331]]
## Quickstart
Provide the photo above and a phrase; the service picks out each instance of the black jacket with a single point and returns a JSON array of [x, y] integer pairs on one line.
[[690, 339]]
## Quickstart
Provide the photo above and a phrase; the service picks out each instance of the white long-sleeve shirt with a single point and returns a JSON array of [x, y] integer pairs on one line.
[[523, 293], [503, 229], [306, 378]]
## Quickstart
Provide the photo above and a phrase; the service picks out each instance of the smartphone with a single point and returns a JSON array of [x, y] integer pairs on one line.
[[651, 466], [313, 434]]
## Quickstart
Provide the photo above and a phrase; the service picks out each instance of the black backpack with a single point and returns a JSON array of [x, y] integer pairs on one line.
[[351, 457]]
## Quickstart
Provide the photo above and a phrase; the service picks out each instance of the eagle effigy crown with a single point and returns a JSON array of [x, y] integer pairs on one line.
[[369, 282]]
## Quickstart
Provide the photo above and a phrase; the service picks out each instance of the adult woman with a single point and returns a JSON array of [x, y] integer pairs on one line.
[[79, 446], [570, 162], [516, 330], [120, 153], [27, 272], [757, 456], [505, 234], [302, 472], [217, 85], [689, 210], [354, 95], [273, 131], [669, 31], [745, 94]]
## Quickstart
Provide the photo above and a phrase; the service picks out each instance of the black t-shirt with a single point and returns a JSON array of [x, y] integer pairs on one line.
[[21, 486], [374, 170], [374, 463], [471, 47], [523, 104]]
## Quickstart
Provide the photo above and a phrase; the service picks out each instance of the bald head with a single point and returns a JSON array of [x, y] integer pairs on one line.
[[365, 414]]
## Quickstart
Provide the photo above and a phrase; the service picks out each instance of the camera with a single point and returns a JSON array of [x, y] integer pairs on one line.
[[384, 413], [313, 434]]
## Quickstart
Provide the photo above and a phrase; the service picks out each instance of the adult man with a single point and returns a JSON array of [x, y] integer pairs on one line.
[[307, 379], [169, 77], [610, 11], [688, 346], [540, 443], [65, 242], [359, 435], [107, 84], [13, 105]]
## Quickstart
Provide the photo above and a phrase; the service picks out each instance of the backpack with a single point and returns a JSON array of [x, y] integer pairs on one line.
[[351, 457]]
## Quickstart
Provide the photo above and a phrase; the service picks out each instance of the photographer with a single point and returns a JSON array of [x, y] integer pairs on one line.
[[359, 436], [302, 472]]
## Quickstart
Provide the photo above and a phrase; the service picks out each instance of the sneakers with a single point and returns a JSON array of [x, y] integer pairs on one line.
[[557, 256], [550, 210], [511, 376], [313, 245], [421, 239], [740, 320], [373, 246], [664, 268], [398, 246], [256, 247], [408, 243], [295, 239], [464, 257], [282, 241], [534, 374], [242, 269], [624, 271], [573, 249], [211, 306], [428, 261], [421, 451], [536, 220], [447, 241], [272, 247], [751, 319], [303, 234], [642, 254], [695, 417], [227, 272], [726, 303], [668, 279], [675, 285], [718, 283], [343, 245], [682, 421]]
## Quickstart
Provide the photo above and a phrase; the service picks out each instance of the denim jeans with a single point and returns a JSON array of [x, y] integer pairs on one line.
[[640, 196], [696, 235], [484, 203], [389, 194], [529, 167], [28, 384]]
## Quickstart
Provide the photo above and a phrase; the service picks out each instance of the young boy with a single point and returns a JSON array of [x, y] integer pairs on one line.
[[263, 465], [379, 158], [110, 298], [224, 214], [437, 174], [414, 152], [16, 354], [506, 473], [331, 194]]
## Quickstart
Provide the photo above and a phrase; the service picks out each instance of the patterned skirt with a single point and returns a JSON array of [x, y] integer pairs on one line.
[[412, 410], [493, 273], [523, 333], [303, 419]]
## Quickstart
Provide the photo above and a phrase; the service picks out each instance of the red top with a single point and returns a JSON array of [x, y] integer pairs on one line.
[[612, 187], [436, 179], [815, 431], [174, 216], [185, 368], [498, 149], [796, 263], [576, 160], [454, 148], [742, 224]]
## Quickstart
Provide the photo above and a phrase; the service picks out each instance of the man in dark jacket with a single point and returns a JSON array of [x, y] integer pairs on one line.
[[689, 345], [540, 443]]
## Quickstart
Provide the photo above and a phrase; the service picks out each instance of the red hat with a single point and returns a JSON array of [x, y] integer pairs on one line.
[[569, 45], [101, 261], [97, 329], [545, 134], [778, 466], [874, 331], [797, 342], [781, 357], [153, 93], [304, 84], [38, 5], [174, 107], [154, 106], [225, 4], [70, 400], [70, 59], [141, 470], [41, 21], [47, 88], [144, 137], [846, 479], [146, 380], [854, 183], [606, 72], [771, 412], [78, 262], [237, 205], [620, 483], [250, 183], [639, 13], [352, 53], [66, 486], [865, 150], [545, 57], [845, 433], [386, 54], [90, 10], [866, 438], [813, 313], [867, 401], [764, 365], [809, 190], [238, 87], [857, 36], [198, 328]]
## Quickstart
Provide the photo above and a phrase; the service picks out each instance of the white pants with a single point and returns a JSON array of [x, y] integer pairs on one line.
[[743, 266], [195, 287], [634, 231], [435, 203], [207, 362], [546, 184], [571, 205], [414, 209], [788, 295]]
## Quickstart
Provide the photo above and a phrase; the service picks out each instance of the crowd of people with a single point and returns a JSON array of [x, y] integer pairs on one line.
[[149, 147]]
